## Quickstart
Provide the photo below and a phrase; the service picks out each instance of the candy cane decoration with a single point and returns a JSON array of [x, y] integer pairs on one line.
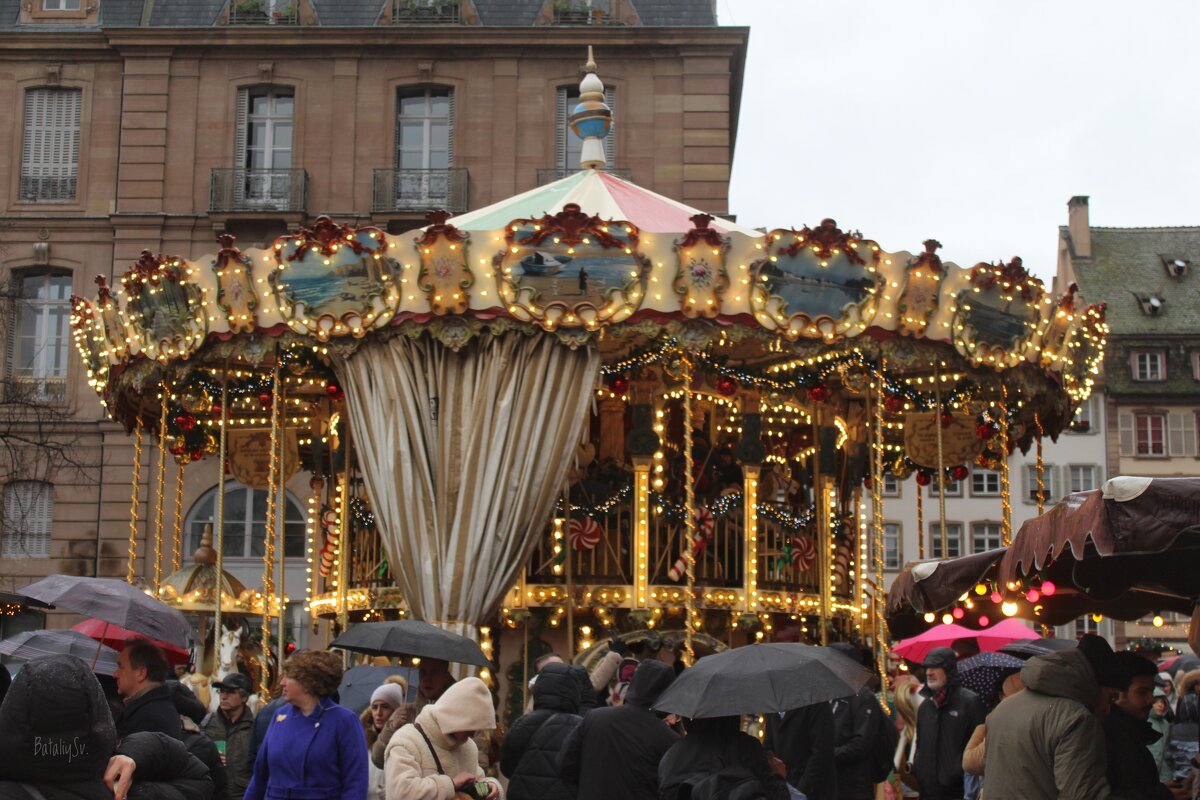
[[705, 525]]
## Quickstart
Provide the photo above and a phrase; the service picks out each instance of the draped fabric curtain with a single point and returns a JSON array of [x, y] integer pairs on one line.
[[464, 455]]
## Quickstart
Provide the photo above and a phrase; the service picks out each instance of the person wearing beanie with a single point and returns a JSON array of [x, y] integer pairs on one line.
[[945, 722], [387, 699], [1046, 742], [232, 724], [615, 752], [435, 756], [529, 755]]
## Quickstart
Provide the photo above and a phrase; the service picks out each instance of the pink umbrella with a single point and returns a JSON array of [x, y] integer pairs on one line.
[[989, 639]]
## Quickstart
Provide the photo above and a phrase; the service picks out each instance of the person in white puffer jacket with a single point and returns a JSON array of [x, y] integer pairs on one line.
[[434, 757]]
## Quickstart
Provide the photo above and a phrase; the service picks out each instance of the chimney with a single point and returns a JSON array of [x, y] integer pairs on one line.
[[1078, 226]]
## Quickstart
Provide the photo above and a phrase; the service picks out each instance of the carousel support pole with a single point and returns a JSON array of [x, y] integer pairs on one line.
[[219, 519], [641, 530], [750, 475], [941, 467], [177, 543], [824, 535], [689, 510], [131, 569], [160, 480], [1005, 483], [881, 626], [525, 664], [560, 523], [920, 525], [281, 502], [270, 537], [1041, 467], [343, 564]]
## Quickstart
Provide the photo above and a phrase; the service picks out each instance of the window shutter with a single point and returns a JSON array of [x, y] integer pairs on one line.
[[450, 132], [240, 156], [1175, 435], [560, 129], [610, 142], [14, 325], [50, 148], [1125, 424], [28, 512]]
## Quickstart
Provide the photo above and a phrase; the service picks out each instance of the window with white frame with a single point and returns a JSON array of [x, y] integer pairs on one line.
[[1086, 419], [264, 144], [1083, 477], [953, 487], [246, 522], [50, 148], [893, 553], [28, 514], [568, 147], [1050, 489], [60, 5], [1150, 432], [985, 482], [39, 335], [891, 485], [953, 540], [1149, 365], [985, 536], [1154, 433], [424, 144]]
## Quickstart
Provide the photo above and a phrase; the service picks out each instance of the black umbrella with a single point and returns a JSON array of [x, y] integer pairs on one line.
[[358, 682], [29, 645], [761, 679], [984, 673], [1028, 648], [410, 637], [116, 602]]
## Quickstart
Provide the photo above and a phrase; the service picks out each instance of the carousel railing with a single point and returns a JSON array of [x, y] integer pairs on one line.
[[609, 562], [718, 561]]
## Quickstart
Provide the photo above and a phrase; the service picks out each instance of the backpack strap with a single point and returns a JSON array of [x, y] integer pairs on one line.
[[437, 761]]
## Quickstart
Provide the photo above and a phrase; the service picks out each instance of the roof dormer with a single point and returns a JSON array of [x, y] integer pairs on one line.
[[1176, 266]]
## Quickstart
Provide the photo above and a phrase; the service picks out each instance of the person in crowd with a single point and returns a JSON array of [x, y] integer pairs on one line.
[[945, 722], [232, 724], [1165, 682], [583, 684], [529, 755], [433, 679], [435, 757], [601, 676], [388, 698], [1044, 743], [803, 739], [624, 675], [1132, 772], [1160, 720], [856, 732], [191, 714], [1187, 707], [906, 694], [614, 752], [975, 756], [712, 748], [314, 749], [140, 674], [58, 740]]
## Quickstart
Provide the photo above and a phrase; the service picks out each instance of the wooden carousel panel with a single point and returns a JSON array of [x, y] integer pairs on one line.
[[999, 315], [163, 307], [701, 277], [445, 274]]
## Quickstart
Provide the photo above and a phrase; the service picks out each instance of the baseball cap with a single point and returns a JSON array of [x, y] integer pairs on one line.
[[233, 682]]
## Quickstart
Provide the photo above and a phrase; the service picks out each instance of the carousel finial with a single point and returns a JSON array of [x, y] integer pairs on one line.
[[591, 120]]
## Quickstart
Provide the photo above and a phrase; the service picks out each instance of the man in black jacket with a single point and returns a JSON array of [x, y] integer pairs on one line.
[[141, 670], [945, 722], [715, 747], [856, 735], [529, 756], [1132, 773], [613, 753], [803, 739]]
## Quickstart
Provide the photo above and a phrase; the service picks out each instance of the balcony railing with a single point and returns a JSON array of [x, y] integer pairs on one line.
[[258, 190], [47, 189], [584, 16], [408, 12], [34, 389], [421, 189], [553, 174], [263, 12]]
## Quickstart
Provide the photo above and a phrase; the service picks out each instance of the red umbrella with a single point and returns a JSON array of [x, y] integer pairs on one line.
[[117, 637], [993, 638]]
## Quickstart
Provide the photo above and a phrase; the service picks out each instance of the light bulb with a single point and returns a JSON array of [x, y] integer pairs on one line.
[[929, 616], [981, 589], [1158, 620], [984, 622], [1048, 588], [947, 619], [1009, 609], [957, 613]]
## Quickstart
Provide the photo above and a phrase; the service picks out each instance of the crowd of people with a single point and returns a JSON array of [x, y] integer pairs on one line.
[[1083, 722]]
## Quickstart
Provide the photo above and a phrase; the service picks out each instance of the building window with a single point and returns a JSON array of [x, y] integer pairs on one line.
[[39, 336], [891, 485], [893, 557], [264, 145], [1083, 477], [28, 512], [1085, 419], [568, 147], [1150, 434], [985, 536], [60, 5], [1149, 365], [1050, 489], [425, 128], [50, 149], [985, 483], [953, 539], [953, 487], [246, 522]]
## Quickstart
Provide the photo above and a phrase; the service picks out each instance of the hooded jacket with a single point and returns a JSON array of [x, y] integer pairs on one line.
[[416, 769], [803, 739], [614, 752], [152, 711], [1046, 743], [944, 730], [1132, 771], [713, 745], [529, 756]]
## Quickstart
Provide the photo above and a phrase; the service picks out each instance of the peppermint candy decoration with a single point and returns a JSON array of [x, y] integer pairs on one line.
[[705, 523], [584, 534], [804, 553]]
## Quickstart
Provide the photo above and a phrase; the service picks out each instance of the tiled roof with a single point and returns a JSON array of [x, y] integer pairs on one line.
[[676, 13], [121, 13], [185, 13]]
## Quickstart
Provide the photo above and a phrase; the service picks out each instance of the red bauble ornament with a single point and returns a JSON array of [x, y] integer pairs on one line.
[[947, 418], [923, 478], [985, 430], [289, 648], [334, 392], [178, 450], [960, 473], [185, 422], [894, 403], [197, 455], [819, 393], [265, 399], [620, 384], [727, 386]]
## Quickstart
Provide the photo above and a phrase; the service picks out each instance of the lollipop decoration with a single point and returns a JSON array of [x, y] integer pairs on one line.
[[584, 534], [800, 551]]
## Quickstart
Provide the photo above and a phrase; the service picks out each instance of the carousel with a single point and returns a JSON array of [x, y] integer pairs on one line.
[[587, 408]]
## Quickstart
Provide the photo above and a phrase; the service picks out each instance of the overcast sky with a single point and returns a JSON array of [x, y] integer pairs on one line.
[[967, 121]]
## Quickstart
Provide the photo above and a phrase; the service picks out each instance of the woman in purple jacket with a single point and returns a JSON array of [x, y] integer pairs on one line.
[[314, 749]]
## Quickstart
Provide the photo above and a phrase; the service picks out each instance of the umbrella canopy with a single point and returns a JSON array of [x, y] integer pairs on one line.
[[983, 674], [354, 692], [989, 639], [116, 602], [1185, 662], [38, 644], [411, 637], [117, 637], [761, 679], [1029, 648]]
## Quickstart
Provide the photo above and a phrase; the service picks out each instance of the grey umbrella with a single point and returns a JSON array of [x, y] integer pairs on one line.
[[1028, 648], [761, 679], [359, 682], [35, 644], [116, 602], [410, 637]]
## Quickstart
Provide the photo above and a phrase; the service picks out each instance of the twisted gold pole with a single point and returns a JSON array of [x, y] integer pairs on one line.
[[160, 498], [881, 626], [1005, 485], [219, 517], [177, 550], [1041, 467], [131, 569], [269, 537], [689, 502]]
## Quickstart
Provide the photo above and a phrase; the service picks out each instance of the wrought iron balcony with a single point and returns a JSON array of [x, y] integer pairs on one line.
[[47, 189], [582, 15], [32, 390], [426, 12], [258, 190], [553, 174], [264, 12], [421, 189]]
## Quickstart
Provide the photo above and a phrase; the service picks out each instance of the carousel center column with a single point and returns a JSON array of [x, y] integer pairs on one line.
[[643, 443], [750, 453]]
